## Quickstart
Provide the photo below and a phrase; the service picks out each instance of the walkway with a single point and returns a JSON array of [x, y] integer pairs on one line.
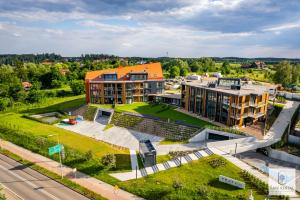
[[124, 176], [273, 135], [82, 179], [116, 135]]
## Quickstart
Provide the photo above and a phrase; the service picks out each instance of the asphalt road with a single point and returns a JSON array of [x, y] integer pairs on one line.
[[31, 185]]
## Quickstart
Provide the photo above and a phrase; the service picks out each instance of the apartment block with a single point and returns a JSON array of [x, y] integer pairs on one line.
[[226, 100], [124, 85]]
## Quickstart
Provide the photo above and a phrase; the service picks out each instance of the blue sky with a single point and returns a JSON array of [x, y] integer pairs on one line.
[[183, 28]]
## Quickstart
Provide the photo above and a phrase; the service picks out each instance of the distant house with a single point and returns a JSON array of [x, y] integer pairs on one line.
[[217, 75], [193, 77], [26, 85], [64, 71], [254, 65]]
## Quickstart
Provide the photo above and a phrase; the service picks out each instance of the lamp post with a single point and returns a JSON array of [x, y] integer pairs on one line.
[[61, 169]]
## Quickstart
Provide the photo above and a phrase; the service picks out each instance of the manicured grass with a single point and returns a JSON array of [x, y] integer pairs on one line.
[[49, 105], [105, 106], [160, 110], [74, 140], [163, 158], [166, 142], [191, 176]]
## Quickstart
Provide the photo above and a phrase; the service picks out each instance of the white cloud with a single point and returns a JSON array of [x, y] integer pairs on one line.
[[283, 27], [17, 34]]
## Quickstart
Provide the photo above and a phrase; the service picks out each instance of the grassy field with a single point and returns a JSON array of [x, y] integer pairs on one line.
[[68, 138], [162, 111], [193, 176]]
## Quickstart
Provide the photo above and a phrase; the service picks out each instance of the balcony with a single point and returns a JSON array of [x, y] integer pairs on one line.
[[256, 115], [239, 116], [260, 104]]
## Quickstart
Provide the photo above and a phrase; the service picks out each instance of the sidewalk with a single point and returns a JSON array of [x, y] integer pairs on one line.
[[93, 184]]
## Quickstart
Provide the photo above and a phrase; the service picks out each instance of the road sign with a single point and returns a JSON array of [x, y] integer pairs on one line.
[[55, 149]]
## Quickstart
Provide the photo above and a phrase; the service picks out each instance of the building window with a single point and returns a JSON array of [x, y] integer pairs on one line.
[[110, 77]]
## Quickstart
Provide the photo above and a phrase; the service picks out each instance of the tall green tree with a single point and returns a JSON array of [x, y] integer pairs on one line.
[[174, 71], [283, 74], [225, 68]]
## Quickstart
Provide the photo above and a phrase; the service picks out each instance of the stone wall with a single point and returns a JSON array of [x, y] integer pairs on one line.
[[154, 126]]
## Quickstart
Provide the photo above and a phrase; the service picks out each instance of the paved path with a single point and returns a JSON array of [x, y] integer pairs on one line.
[[124, 176], [29, 184], [82, 179], [116, 135]]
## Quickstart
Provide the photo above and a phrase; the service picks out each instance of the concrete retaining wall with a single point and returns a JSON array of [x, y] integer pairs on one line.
[[168, 130], [283, 156], [203, 135]]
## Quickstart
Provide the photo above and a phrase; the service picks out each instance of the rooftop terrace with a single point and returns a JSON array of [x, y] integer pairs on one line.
[[244, 89]]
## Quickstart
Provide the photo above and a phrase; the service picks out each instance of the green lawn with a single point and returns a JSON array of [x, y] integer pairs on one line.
[[161, 111], [68, 138], [192, 177]]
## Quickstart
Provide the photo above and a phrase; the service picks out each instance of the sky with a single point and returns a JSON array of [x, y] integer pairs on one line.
[[152, 28]]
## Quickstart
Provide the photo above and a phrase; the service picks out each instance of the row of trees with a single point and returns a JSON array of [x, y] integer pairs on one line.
[[179, 67]]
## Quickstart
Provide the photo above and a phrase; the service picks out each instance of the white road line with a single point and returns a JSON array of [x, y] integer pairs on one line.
[[29, 183]]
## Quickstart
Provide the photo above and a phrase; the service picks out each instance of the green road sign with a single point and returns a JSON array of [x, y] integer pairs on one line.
[[55, 149]]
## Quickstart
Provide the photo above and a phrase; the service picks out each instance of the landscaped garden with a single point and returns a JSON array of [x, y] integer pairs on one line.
[[82, 152], [197, 180]]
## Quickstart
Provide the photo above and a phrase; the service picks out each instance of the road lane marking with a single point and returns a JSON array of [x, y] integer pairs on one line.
[[31, 184]]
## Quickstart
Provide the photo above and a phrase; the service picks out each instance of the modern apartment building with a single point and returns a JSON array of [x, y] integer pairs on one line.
[[227, 101], [124, 85]]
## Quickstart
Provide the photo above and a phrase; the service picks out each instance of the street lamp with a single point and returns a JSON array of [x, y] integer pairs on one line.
[[61, 167]]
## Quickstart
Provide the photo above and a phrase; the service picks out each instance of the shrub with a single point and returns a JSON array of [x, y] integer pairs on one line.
[[88, 155], [56, 84], [35, 96], [77, 86], [109, 161], [4, 103], [203, 192], [217, 162], [260, 185], [241, 197], [177, 184]]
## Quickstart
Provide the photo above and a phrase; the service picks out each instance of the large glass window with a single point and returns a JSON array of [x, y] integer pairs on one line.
[[110, 77]]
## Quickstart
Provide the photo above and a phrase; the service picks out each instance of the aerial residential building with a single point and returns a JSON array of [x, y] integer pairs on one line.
[[124, 85], [226, 101]]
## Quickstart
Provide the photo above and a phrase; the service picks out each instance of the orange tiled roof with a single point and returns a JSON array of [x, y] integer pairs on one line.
[[154, 71]]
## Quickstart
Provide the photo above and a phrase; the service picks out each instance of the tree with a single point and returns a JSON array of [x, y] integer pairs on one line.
[[184, 72], [77, 86], [195, 66], [4, 103], [174, 71], [283, 74], [35, 96], [225, 68], [296, 74], [109, 161]]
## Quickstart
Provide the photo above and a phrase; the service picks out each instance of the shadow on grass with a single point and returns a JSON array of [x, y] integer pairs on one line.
[[122, 162], [217, 184], [62, 107]]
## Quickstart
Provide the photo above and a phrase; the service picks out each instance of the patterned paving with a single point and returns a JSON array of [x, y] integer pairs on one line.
[[163, 166]]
